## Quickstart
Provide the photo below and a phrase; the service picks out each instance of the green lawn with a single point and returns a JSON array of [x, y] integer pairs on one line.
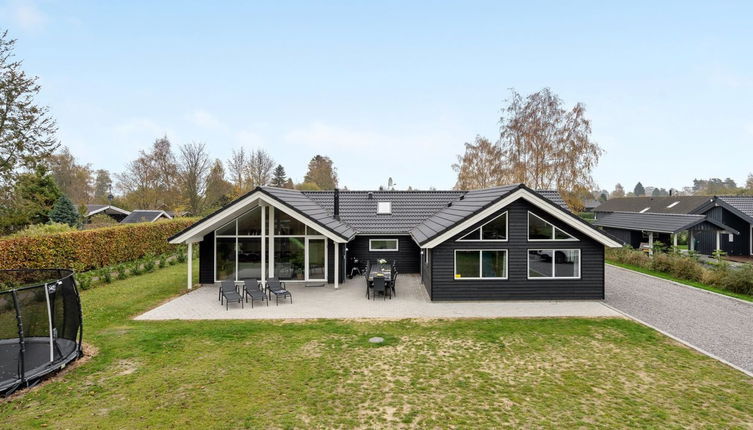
[[681, 281], [533, 373]]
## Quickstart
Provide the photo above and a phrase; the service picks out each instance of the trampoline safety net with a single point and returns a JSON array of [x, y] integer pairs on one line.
[[40, 325]]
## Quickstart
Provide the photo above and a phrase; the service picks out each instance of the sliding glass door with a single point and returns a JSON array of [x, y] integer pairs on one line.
[[317, 259]]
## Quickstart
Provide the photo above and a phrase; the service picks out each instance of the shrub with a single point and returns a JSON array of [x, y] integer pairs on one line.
[[122, 271], [149, 264], [84, 281], [738, 280], [90, 249], [36, 230], [106, 276]]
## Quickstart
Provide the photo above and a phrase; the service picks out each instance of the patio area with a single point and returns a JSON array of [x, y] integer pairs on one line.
[[349, 301]]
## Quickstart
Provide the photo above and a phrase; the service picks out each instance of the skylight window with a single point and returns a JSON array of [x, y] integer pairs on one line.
[[645, 209], [673, 204], [384, 208]]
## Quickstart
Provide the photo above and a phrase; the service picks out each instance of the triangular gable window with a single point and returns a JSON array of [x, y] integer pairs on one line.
[[494, 230], [538, 229]]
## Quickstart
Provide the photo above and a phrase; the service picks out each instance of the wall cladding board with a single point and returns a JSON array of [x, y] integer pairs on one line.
[[590, 285]]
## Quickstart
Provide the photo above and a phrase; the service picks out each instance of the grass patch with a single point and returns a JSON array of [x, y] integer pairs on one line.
[[543, 373], [681, 281]]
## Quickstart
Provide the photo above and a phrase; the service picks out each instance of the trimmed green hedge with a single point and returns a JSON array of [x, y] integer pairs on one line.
[[738, 280], [91, 249]]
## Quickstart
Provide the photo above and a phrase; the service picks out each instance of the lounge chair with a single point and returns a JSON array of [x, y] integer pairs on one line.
[[229, 292], [251, 289], [277, 288]]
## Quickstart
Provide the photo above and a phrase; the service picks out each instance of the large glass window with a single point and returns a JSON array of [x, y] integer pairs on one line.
[[226, 230], [225, 259], [538, 229], [249, 224], [249, 258], [495, 229], [553, 263], [286, 225], [290, 258], [383, 245], [239, 256], [478, 264]]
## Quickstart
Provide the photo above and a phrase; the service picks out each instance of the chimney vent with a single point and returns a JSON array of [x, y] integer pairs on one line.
[[336, 209]]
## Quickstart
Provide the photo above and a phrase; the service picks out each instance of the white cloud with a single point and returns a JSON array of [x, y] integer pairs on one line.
[[248, 139], [359, 153], [326, 137], [205, 119], [27, 15]]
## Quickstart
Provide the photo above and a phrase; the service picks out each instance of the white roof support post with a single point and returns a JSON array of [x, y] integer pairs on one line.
[[337, 264], [718, 240], [691, 240], [674, 239], [190, 266], [650, 243], [271, 242], [263, 247]]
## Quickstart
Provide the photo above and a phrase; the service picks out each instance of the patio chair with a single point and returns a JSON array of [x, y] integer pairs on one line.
[[251, 289], [228, 293], [274, 286], [393, 282], [380, 287], [368, 285]]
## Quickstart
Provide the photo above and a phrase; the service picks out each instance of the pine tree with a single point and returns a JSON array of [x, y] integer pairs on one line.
[[279, 177], [63, 211], [639, 190]]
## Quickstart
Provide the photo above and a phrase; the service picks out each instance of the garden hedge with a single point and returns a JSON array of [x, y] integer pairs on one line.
[[91, 249]]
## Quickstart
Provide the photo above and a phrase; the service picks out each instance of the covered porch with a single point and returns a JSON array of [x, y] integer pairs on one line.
[[263, 238], [638, 229]]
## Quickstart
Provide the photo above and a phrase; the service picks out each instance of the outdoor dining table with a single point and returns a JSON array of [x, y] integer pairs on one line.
[[381, 269]]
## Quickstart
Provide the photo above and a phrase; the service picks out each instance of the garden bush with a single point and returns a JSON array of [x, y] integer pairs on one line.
[[687, 267], [91, 249]]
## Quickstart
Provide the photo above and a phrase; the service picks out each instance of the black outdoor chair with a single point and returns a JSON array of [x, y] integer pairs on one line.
[[368, 285], [277, 288], [251, 289], [228, 293], [393, 283], [380, 287]]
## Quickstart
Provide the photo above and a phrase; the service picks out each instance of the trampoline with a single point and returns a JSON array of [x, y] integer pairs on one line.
[[40, 325]]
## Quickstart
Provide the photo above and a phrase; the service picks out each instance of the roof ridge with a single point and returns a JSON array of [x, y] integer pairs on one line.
[[654, 213]]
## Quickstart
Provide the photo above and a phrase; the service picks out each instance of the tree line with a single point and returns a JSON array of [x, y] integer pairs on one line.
[[700, 187]]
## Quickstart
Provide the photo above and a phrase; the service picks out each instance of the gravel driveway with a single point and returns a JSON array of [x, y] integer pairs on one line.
[[717, 324]]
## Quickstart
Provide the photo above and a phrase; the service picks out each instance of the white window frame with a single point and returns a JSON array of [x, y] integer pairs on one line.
[[397, 245], [481, 231], [480, 265], [554, 276], [384, 208], [554, 231]]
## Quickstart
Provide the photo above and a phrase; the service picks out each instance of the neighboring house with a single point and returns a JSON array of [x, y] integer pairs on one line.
[[113, 212], [507, 242], [145, 216], [712, 223], [734, 211], [590, 204]]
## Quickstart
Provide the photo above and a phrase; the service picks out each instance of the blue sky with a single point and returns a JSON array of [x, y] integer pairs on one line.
[[394, 89]]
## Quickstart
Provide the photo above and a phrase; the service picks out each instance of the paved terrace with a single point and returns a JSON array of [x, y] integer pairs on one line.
[[349, 301]]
